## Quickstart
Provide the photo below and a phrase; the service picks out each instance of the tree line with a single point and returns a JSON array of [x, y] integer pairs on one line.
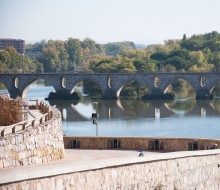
[[190, 54]]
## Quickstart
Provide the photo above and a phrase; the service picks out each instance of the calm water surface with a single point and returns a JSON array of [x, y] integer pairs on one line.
[[178, 118]]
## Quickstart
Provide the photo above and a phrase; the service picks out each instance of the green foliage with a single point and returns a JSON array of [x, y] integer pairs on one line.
[[196, 53], [178, 84], [145, 65], [178, 62], [64, 95], [159, 56], [216, 60], [36, 48], [74, 49], [166, 96], [135, 89], [200, 42], [11, 60], [119, 46], [91, 88], [115, 64]]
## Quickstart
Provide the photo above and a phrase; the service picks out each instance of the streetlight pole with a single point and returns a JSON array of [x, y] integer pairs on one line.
[[95, 117]]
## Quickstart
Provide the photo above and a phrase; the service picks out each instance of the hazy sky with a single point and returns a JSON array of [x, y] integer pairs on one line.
[[140, 21]]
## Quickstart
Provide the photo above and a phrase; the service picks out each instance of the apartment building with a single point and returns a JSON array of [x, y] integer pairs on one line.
[[18, 44]]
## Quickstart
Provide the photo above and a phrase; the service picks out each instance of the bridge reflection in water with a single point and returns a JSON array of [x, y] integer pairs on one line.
[[130, 117], [113, 109]]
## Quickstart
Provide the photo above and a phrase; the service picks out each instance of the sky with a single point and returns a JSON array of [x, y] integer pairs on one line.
[[141, 21]]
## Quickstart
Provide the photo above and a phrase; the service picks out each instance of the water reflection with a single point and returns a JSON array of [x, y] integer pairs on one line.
[[185, 117], [111, 109], [177, 118]]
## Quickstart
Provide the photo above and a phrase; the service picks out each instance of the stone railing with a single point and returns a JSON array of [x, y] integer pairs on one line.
[[44, 108], [32, 141], [139, 143]]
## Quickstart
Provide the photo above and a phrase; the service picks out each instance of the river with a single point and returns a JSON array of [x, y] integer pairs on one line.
[[182, 117]]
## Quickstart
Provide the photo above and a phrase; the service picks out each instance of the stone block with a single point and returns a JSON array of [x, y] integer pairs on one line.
[[6, 163], [1, 163], [22, 155], [2, 142]]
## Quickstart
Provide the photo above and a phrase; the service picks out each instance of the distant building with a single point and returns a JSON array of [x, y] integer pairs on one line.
[[18, 44]]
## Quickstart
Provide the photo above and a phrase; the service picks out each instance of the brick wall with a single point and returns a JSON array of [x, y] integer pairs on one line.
[[137, 143], [10, 110]]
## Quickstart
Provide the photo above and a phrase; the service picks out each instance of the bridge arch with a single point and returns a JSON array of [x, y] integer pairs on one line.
[[41, 86], [181, 107], [215, 90], [215, 105], [86, 82], [134, 82], [3, 87], [181, 87]]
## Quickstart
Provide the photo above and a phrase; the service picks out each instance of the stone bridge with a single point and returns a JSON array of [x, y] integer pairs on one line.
[[111, 84]]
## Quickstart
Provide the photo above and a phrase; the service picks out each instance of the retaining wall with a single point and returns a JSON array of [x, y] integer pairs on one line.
[[197, 171], [37, 143]]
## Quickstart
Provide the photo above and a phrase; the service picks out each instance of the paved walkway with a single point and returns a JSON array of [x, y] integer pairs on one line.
[[81, 160], [34, 114]]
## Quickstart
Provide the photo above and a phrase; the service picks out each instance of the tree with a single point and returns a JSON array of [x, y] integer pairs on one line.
[[197, 57], [145, 66], [172, 44], [50, 59], [90, 45], [36, 47], [74, 50], [84, 66], [216, 61], [119, 46], [115, 64], [178, 62], [11, 60], [195, 43], [167, 68], [159, 56], [135, 54]]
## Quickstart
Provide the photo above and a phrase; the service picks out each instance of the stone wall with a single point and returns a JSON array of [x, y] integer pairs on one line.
[[137, 143], [10, 110], [188, 173], [36, 144]]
